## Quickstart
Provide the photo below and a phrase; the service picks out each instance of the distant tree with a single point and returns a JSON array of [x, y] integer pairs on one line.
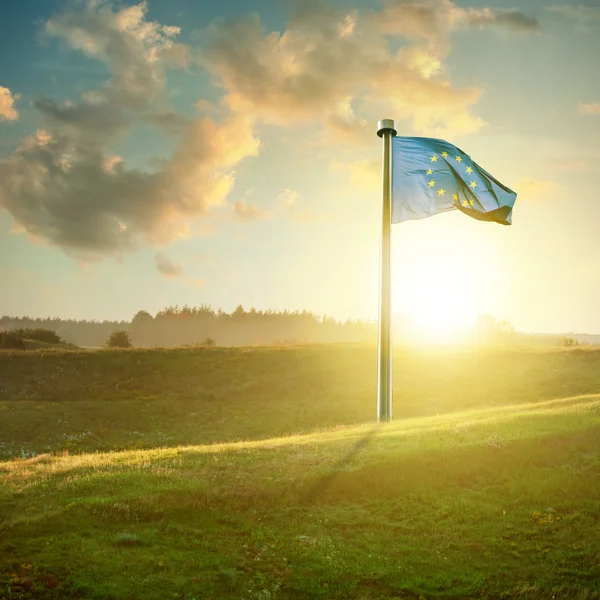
[[119, 339], [142, 318], [175, 326], [142, 328], [11, 340], [568, 342], [209, 343]]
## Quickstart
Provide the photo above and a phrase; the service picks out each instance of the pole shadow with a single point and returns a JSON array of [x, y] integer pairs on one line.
[[324, 482]]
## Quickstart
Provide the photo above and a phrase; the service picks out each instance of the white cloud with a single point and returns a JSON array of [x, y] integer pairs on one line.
[[287, 198], [326, 61], [88, 202], [64, 186], [134, 49], [8, 111], [248, 212], [432, 20]]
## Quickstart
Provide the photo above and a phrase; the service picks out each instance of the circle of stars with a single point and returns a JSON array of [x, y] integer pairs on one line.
[[467, 203]]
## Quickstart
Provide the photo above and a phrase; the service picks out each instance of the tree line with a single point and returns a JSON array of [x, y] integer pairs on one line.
[[180, 326]]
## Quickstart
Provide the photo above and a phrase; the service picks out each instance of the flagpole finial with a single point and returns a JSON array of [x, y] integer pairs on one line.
[[386, 125]]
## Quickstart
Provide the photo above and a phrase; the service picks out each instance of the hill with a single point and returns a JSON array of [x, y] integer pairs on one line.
[[493, 503], [85, 400], [497, 496]]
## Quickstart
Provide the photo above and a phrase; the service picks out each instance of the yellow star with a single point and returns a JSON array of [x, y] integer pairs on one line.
[[455, 197], [434, 158], [429, 171], [441, 192], [458, 158], [445, 154], [471, 202], [469, 170], [473, 184], [431, 183], [465, 203]]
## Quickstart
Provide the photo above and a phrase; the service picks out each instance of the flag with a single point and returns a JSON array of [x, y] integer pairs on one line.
[[431, 176]]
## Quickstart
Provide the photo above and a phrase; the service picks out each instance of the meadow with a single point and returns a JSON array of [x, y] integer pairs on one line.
[[258, 473]]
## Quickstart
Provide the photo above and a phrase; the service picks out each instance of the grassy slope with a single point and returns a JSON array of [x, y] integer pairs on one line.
[[105, 400], [500, 500]]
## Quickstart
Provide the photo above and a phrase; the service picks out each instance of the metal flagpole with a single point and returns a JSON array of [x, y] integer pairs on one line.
[[386, 129]]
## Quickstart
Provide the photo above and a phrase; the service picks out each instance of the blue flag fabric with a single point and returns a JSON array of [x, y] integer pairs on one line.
[[431, 176]]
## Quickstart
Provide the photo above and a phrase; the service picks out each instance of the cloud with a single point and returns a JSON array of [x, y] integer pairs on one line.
[[342, 125], [589, 109], [432, 20], [327, 61], [582, 15], [89, 203], [172, 123], [513, 20], [64, 186], [165, 266], [248, 212], [287, 205], [287, 198], [331, 67], [176, 55], [135, 50], [99, 120], [7, 105], [206, 106]]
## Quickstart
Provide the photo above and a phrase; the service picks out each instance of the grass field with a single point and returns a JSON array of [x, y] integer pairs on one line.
[[256, 474]]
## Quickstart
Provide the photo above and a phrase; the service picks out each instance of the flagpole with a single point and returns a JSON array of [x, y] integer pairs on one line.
[[386, 129]]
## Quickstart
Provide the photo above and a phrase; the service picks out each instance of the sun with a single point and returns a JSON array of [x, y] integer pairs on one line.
[[440, 291]]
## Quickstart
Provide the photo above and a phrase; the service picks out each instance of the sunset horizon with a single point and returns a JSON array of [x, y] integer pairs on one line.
[[155, 156]]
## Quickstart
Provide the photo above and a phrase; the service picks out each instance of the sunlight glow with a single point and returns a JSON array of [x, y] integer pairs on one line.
[[442, 287]]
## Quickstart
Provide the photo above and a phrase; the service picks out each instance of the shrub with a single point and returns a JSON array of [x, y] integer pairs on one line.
[[11, 340], [568, 342], [119, 339], [209, 343], [39, 334]]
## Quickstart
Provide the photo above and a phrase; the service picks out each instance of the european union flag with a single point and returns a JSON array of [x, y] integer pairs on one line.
[[432, 176]]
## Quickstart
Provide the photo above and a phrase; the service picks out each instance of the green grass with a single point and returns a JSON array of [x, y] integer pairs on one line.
[[486, 486], [39, 345], [53, 401]]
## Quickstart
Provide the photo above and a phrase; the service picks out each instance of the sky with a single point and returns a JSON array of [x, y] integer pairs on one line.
[[225, 153]]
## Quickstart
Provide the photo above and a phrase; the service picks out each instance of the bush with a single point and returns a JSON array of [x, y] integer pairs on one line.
[[209, 343], [39, 335], [119, 339], [11, 340]]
